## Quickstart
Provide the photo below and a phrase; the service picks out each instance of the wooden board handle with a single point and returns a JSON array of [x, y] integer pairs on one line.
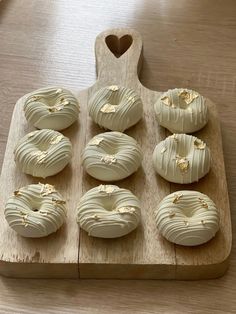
[[118, 55]]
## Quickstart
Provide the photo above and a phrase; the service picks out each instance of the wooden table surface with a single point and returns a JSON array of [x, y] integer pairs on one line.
[[187, 43]]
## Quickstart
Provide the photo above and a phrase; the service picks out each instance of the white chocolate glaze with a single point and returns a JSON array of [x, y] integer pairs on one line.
[[115, 108], [112, 156], [35, 210], [187, 218], [108, 211], [50, 108], [181, 110], [182, 158], [43, 153]]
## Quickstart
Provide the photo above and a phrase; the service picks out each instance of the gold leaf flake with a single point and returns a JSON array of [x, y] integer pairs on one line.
[[41, 155], [166, 100], [108, 108], [198, 144], [56, 139], [47, 189], [113, 88], [34, 98], [182, 163], [96, 141], [58, 201], [109, 159], [66, 102], [187, 96], [109, 189], [203, 202], [125, 209], [177, 197], [163, 150], [58, 91], [17, 193]]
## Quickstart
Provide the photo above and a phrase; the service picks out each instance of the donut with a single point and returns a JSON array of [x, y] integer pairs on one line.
[[50, 108], [115, 108], [35, 210], [182, 158], [111, 156], [108, 211], [43, 153], [181, 110], [187, 218]]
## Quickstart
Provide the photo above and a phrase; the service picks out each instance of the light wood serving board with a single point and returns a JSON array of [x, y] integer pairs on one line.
[[143, 254]]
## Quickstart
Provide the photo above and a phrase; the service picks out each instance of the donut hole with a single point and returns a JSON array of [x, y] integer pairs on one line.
[[108, 204], [111, 150], [187, 212], [44, 146]]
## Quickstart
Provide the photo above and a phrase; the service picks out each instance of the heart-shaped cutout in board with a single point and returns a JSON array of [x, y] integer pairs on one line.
[[118, 46]]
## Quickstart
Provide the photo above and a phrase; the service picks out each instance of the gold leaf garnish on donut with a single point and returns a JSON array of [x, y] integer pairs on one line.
[[41, 155], [203, 203], [166, 100], [57, 201], [47, 189], [66, 102], [182, 163], [58, 91], [109, 189], [34, 98], [125, 209], [108, 108], [113, 88], [96, 217], [198, 144], [163, 150], [177, 197], [56, 139], [109, 159], [96, 141], [17, 193], [187, 96]]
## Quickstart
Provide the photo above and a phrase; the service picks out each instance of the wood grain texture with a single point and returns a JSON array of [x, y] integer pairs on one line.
[[187, 43]]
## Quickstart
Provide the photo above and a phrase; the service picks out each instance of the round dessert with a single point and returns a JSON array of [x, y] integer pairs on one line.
[[182, 158], [108, 211], [50, 108], [115, 108], [111, 156], [35, 210], [181, 110], [43, 153], [187, 218]]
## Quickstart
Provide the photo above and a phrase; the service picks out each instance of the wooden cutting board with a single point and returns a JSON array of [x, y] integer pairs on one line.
[[144, 253]]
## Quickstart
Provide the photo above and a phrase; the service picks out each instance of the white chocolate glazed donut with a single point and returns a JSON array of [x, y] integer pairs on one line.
[[182, 158], [35, 210], [187, 218], [115, 108], [43, 153], [50, 108], [112, 156], [108, 211], [181, 110]]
